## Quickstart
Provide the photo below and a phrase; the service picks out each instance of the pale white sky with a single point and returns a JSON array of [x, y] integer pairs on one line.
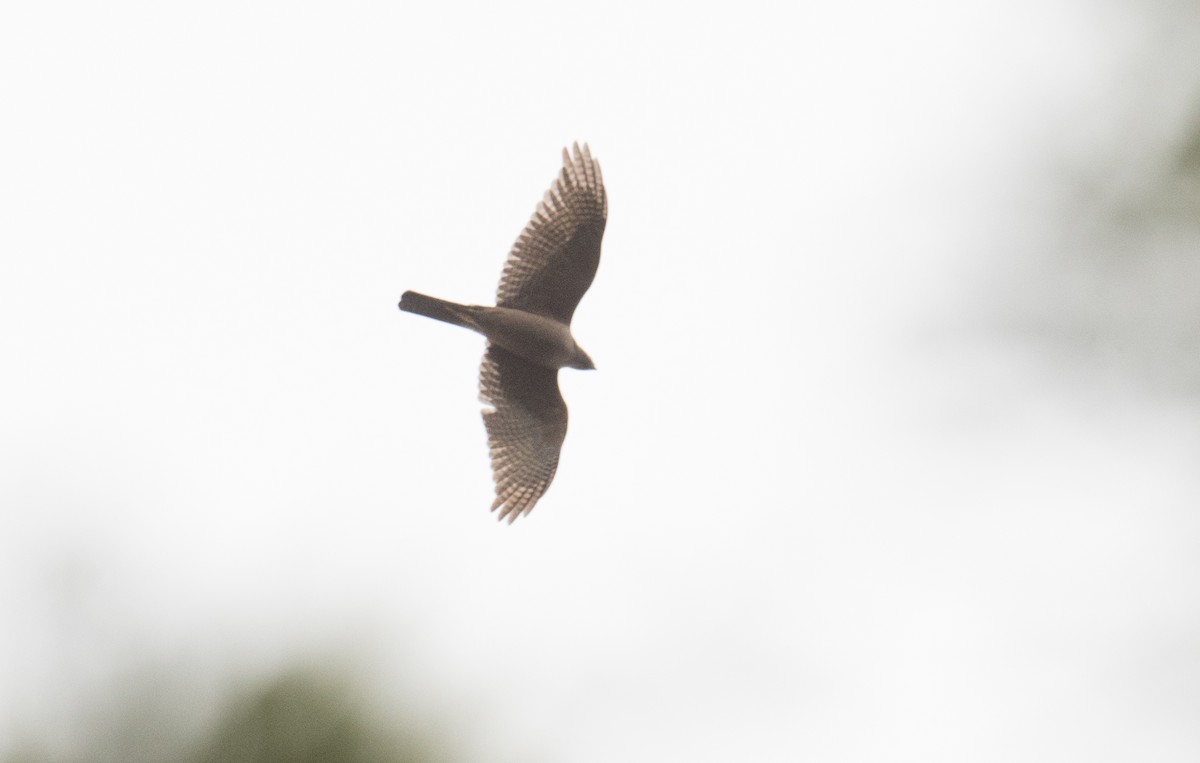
[[811, 505]]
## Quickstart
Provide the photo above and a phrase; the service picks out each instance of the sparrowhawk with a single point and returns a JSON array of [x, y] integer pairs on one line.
[[529, 331]]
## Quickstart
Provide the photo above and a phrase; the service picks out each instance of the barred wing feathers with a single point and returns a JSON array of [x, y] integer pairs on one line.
[[526, 422], [554, 260]]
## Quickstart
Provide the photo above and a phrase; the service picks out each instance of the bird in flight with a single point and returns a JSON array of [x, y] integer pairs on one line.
[[548, 270]]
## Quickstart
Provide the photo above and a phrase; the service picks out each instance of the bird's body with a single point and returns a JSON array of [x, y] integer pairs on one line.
[[541, 340], [549, 269]]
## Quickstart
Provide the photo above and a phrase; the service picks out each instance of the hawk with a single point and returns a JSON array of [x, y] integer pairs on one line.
[[548, 270]]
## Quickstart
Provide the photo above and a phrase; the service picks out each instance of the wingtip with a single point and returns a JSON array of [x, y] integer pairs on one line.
[[513, 505], [506, 513], [580, 154]]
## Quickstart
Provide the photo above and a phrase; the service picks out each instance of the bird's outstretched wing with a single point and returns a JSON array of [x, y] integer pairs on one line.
[[526, 421], [554, 259]]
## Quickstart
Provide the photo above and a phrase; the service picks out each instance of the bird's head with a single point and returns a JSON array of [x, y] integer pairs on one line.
[[579, 359]]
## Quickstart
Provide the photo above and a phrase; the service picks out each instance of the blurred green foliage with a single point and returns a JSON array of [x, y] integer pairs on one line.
[[299, 716], [1115, 286]]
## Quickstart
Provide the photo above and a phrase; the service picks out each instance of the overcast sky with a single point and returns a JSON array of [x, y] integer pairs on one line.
[[812, 506]]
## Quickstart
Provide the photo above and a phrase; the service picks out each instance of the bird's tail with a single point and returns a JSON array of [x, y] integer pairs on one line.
[[438, 309]]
